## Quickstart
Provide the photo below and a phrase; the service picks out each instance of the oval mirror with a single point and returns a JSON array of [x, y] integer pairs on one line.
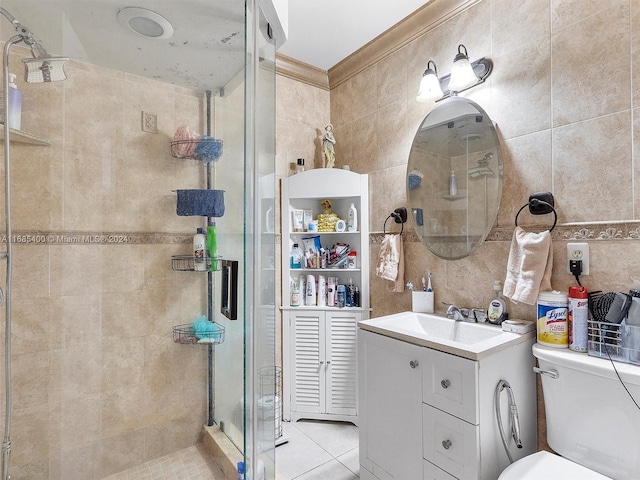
[[454, 178]]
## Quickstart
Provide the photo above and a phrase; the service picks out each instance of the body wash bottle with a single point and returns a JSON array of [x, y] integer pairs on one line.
[[199, 261], [15, 105]]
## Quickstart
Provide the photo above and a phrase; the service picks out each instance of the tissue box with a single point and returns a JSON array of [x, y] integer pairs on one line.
[[422, 302]]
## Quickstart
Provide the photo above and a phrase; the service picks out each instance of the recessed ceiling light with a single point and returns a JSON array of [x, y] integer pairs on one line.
[[145, 22]]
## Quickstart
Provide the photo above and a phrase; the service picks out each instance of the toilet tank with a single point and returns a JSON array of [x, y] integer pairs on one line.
[[591, 419]]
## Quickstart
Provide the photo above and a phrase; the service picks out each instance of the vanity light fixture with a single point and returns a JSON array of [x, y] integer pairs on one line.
[[430, 90], [464, 75]]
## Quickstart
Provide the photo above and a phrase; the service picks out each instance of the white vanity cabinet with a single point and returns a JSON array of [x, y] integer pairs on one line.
[[320, 342], [427, 414]]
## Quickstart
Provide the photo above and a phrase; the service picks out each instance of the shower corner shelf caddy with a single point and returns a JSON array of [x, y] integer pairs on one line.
[[187, 263], [185, 335], [23, 137], [204, 149]]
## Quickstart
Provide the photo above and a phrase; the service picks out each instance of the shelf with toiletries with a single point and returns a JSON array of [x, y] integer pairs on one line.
[[324, 215], [461, 194], [24, 137]]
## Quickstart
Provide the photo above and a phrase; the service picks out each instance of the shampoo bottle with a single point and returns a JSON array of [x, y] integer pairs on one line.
[[199, 261], [352, 219], [497, 311], [322, 291], [212, 244]]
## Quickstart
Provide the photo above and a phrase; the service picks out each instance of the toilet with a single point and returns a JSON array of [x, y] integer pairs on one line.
[[592, 423]]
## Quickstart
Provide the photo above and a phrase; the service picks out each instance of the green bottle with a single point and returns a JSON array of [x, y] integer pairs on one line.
[[212, 245]]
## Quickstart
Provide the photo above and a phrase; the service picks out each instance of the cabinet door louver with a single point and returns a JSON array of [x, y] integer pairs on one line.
[[308, 394], [342, 353]]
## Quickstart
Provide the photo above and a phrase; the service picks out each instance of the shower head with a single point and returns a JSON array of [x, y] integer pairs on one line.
[[42, 67], [482, 170]]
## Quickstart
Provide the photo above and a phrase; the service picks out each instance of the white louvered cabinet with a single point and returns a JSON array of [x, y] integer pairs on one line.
[[323, 362], [320, 343]]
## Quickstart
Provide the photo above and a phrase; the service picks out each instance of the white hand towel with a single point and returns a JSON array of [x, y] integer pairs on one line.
[[391, 261], [529, 267]]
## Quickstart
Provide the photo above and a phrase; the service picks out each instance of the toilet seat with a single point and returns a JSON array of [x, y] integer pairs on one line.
[[547, 466]]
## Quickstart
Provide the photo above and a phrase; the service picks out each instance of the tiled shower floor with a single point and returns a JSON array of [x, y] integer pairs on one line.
[[189, 464]]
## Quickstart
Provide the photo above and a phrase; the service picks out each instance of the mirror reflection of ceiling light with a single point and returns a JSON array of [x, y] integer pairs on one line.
[[145, 22], [464, 75]]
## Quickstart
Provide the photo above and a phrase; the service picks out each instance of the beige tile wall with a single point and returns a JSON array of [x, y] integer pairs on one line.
[[99, 385], [564, 93]]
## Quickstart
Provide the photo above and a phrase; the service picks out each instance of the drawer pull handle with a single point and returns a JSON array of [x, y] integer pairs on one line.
[[445, 383], [553, 373], [446, 444], [413, 363]]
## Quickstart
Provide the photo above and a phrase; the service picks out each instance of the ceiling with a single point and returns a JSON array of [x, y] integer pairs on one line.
[[324, 32], [206, 33]]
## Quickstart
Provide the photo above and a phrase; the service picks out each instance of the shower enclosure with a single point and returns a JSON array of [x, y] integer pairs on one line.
[[96, 383]]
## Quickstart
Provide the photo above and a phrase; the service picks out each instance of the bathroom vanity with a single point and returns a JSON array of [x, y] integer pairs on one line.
[[426, 388]]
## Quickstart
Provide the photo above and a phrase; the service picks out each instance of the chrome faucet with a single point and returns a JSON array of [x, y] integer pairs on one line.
[[455, 313]]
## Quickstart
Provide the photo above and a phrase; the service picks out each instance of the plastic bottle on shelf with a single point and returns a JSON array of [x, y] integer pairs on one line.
[[15, 105], [340, 296], [199, 260], [350, 300], [296, 257], [331, 292], [295, 292], [300, 165], [212, 244], [322, 291], [352, 219], [453, 184], [310, 297]]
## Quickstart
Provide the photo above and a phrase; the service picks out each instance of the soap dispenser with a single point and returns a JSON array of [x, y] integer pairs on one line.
[[497, 311]]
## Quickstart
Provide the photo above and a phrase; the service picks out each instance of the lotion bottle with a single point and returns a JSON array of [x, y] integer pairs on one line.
[[310, 297], [199, 261], [497, 311], [352, 219], [212, 244]]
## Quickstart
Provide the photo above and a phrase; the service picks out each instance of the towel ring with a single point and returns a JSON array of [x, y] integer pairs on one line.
[[399, 215], [540, 207]]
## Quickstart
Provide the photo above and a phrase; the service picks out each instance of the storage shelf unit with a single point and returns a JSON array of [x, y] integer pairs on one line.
[[23, 137], [319, 343]]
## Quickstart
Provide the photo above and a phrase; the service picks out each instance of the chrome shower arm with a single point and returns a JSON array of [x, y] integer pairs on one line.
[[25, 34]]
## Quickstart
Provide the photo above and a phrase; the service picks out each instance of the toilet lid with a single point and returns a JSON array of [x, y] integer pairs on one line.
[[547, 466]]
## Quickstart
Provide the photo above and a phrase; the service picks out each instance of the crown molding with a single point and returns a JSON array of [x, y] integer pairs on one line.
[[415, 25], [302, 72]]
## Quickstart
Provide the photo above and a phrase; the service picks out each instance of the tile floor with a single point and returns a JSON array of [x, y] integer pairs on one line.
[[192, 463], [319, 450]]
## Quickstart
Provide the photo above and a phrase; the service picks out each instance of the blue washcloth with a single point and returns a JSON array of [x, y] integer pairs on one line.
[[415, 179], [206, 331], [206, 203], [208, 149]]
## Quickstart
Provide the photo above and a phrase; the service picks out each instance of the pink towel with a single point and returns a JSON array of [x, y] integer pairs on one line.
[[529, 266], [391, 261]]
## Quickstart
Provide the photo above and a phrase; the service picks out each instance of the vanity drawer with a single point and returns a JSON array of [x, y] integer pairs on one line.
[[450, 443], [450, 384]]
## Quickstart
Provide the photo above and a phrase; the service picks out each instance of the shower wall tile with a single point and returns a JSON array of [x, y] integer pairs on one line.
[[122, 362], [177, 434], [37, 200], [31, 268], [74, 372], [30, 437], [391, 73], [30, 373], [73, 423], [93, 111], [73, 464], [117, 453], [74, 319], [31, 325]]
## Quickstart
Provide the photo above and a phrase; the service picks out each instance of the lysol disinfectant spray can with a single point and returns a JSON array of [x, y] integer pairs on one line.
[[577, 318]]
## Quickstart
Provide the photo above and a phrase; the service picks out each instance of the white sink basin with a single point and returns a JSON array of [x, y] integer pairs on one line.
[[465, 339]]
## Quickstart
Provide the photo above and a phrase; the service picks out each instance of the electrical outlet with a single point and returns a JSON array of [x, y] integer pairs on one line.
[[578, 251]]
